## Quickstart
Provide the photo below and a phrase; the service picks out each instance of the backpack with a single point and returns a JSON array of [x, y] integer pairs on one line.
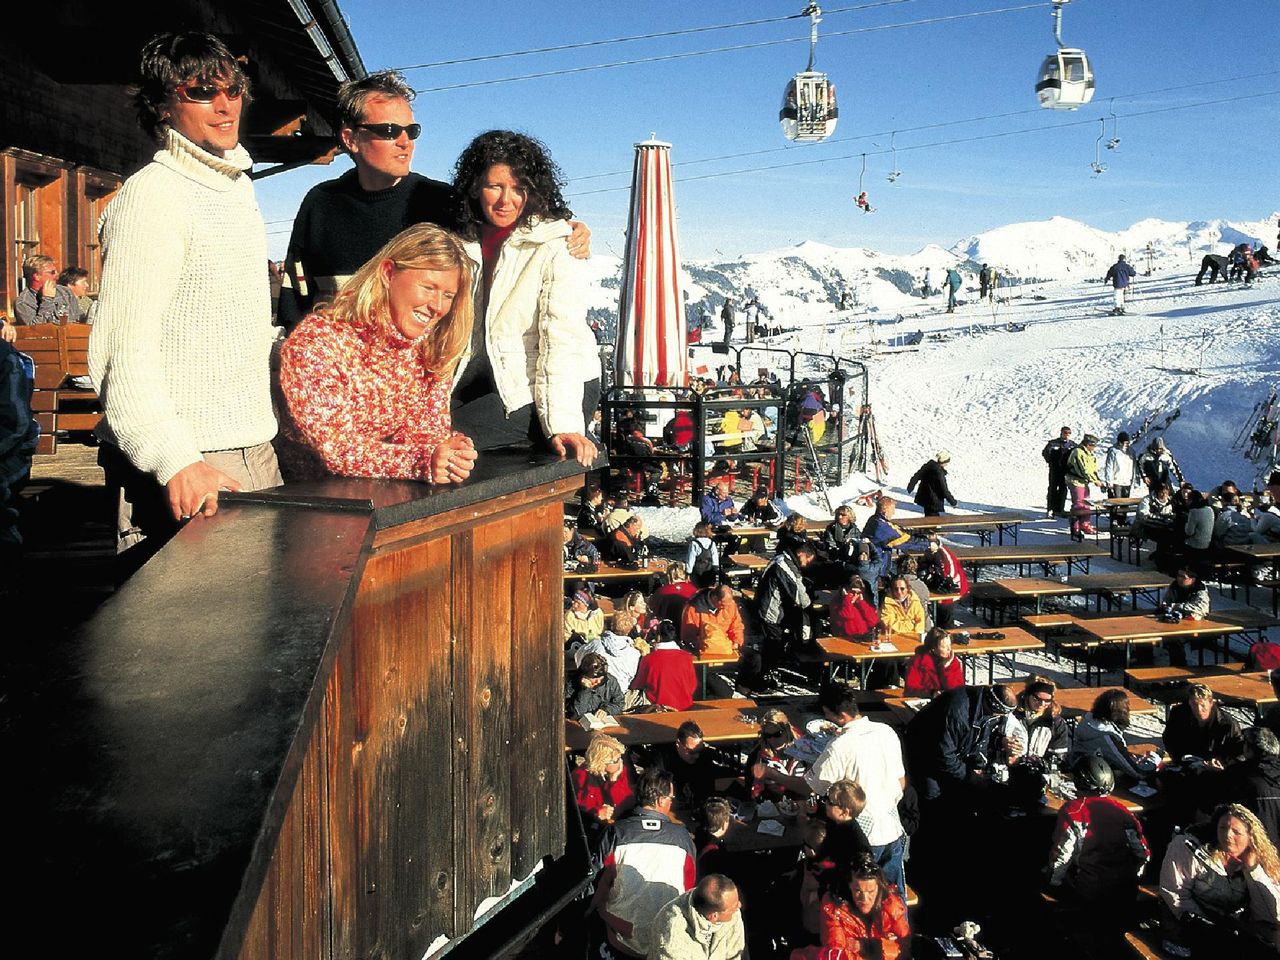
[[1263, 655], [703, 563]]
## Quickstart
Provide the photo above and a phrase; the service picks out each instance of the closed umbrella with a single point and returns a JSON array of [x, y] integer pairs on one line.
[[652, 345]]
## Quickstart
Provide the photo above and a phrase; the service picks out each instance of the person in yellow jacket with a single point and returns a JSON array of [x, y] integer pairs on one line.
[[901, 610], [1081, 472]]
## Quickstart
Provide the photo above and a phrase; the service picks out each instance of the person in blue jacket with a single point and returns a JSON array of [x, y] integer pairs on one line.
[[1120, 275], [18, 435], [887, 536], [717, 505]]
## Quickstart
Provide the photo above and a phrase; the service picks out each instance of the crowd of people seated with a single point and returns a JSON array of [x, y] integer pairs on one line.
[[971, 758], [1186, 525]]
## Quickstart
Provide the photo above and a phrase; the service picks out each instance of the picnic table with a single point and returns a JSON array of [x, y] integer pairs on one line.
[[1023, 556], [982, 524], [1252, 689], [634, 729], [608, 571], [838, 652], [1137, 628], [1138, 583], [1257, 554], [1077, 701], [1013, 590]]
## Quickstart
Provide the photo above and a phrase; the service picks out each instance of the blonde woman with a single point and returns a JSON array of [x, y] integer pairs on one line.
[[604, 786], [366, 379], [1210, 875]]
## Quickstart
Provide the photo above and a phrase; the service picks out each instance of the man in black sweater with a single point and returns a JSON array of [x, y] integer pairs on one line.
[[1055, 454], [343, 223]]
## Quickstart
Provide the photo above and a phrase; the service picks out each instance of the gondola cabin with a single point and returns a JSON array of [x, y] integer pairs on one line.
[[809, 110], [1066, 80]]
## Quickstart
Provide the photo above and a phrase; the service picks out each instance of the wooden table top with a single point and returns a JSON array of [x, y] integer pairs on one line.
[[1023, 552], [906, 644], [1121, 580], [1258, 551], [752, 561], [1076, 701], [964, 521], [1146, 627], [645, 728], [607, 571], [1251, 688], [743, 530], [1035, 587], [1119, 502]]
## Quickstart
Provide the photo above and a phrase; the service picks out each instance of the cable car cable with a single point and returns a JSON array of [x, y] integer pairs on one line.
[[568, 71], [947, 143], [930, 126], [483, 58]]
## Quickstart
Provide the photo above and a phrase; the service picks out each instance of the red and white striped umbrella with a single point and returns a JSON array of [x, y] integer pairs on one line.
[[653, 345]]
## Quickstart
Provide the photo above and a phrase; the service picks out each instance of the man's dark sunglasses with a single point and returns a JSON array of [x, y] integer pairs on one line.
[[391, 131], [206, 92]]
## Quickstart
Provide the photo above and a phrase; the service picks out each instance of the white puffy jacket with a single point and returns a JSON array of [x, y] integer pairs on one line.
[[536, 335]]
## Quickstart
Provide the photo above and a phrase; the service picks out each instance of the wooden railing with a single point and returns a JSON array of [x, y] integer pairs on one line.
[[326, 722]]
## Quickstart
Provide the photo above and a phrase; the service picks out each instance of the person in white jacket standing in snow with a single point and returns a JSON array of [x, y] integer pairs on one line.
[[532, 370], [1119, 468]]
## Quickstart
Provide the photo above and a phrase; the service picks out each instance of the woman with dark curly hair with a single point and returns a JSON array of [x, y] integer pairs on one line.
[[529, 371]]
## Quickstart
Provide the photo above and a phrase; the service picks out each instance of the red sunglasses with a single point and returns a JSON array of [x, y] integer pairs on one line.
[[206, 92]]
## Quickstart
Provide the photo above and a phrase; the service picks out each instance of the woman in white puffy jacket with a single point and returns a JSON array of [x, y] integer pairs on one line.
[[532, 371], [1220, 889]]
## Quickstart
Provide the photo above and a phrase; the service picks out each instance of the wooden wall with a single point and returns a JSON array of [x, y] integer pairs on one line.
[[435, 776]]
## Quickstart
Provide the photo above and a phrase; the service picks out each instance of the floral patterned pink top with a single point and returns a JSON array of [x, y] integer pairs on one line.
[[360, 403]]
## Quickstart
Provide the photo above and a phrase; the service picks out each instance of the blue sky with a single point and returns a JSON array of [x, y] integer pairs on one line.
[[1200, 163]]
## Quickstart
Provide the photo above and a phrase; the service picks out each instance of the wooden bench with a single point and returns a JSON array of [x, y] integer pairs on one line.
[[1145, 944], [1272, 585], [60, 352], [1138, 678]]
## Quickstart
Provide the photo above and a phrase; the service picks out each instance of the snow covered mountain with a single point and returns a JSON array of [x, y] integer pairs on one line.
[[803, 285]]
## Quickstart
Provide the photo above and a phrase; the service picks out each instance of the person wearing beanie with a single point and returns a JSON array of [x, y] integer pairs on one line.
[[761, 510], [1156, 465], [1119, 468], [932, 480], [1082, 473], [583, 620]]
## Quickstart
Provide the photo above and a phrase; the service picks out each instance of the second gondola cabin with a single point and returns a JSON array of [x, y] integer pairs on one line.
[[809, 109], [1066, 80]]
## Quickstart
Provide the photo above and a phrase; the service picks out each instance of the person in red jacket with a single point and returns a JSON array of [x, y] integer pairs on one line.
[[604, 786], [666, 674], [670, 599], [852, 614], [871, 922], [934, 668], [943, 573]]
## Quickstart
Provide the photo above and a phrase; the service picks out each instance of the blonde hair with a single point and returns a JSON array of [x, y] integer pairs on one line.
[[1268, 859], [623, 621], [847, 795], [676, 573], [601, 750], [363, 300]]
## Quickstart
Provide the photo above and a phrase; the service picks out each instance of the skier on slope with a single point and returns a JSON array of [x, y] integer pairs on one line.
[[952, 283], [1120, 276]]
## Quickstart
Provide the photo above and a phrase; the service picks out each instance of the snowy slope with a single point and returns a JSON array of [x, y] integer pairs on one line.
[[994, 398]]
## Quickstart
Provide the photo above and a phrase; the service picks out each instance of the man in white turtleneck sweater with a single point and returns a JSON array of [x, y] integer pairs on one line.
[[181, 345]]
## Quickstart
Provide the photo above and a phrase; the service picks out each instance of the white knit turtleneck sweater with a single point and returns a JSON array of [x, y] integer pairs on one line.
[[182, 338]]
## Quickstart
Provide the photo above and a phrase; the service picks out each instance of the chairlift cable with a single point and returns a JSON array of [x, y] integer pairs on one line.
[[930, 126], [686, 31], [946, 143], [661, 58]]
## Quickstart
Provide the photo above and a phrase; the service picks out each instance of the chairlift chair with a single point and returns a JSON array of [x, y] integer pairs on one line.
[[1098, 167], [1066, 78], [809, 109], [895, 173]]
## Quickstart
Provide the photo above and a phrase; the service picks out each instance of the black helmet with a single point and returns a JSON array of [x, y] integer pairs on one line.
[[1094, 776]]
